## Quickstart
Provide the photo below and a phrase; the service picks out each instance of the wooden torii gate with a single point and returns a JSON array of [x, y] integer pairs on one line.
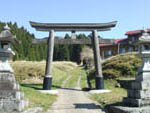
[[72, 27]]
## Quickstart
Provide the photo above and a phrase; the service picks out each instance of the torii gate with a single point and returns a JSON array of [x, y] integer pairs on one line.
[[72, 27]]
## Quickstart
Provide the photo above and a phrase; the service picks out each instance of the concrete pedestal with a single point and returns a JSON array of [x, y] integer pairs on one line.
[[52, 92], [99, 91]]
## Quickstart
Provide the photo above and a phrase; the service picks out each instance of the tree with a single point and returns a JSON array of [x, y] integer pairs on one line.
[[64, 53]]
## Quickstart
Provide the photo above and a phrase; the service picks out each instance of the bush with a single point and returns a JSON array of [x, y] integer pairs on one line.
[[124, 65], [110, 74]]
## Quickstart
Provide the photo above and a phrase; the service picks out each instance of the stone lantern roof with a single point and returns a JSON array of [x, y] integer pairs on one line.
[[145, 38], [7, 36]]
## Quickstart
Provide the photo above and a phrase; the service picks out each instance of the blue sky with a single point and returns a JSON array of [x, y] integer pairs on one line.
[[130, 14]]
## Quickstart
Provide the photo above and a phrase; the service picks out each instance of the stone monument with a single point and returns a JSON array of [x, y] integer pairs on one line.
[[11, 99], [138, 94]]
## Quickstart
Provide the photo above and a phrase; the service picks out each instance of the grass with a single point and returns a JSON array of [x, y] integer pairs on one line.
[[37, 99], [83, 83], [110, 98], [75, 74], [30, 76], [121, 67], [107, 98]]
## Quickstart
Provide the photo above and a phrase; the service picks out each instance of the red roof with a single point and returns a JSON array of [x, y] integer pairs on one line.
[[135, 32], [116, 42]]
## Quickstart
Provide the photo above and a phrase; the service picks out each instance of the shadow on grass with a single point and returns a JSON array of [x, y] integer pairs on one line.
[[36, 86], [59, 87], [39, 86]]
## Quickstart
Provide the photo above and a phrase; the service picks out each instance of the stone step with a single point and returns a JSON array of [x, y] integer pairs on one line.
[[143, 85], [139, 94], [125, 109], [136, 102]]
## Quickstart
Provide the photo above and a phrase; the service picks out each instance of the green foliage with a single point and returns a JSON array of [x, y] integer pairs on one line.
[[37, 99], [125, 65], [114, 96], [68, 52], [63, 53]]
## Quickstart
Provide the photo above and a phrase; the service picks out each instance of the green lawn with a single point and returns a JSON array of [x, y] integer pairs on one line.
[[37, 99], [110, 98], [75, 74], [30, 76]]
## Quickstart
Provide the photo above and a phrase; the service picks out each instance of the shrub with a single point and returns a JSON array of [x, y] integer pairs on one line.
[[124, 65]]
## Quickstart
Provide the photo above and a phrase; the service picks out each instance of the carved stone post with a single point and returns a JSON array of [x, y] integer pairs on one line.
[[99, 77], [48, 78]]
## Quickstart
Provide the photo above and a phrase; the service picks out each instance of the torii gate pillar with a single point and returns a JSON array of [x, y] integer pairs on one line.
[[48, 77], [99, 81]]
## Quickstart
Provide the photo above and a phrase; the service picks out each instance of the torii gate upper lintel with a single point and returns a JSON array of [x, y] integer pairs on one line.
[[73, 27]]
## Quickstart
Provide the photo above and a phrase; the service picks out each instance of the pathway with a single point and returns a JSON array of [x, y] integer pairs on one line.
[[74, 101]]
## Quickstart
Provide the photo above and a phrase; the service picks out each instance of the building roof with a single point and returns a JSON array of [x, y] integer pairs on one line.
[[122, 40], [136, 32]]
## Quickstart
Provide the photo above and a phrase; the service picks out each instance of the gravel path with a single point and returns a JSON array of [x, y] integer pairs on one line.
[[74, 101]]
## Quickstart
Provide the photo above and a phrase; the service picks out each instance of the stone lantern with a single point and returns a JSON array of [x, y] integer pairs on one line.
[[6, 38], [139, 93], [11, 99]]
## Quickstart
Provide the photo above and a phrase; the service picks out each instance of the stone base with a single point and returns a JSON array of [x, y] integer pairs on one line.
[[30, 110], [52, 92], [12, 105], [139, 94], [140, 85], [99, 91], [47, 83], [34, 110], [122, 109], [136, 102], [99, 82], [11, 99]]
